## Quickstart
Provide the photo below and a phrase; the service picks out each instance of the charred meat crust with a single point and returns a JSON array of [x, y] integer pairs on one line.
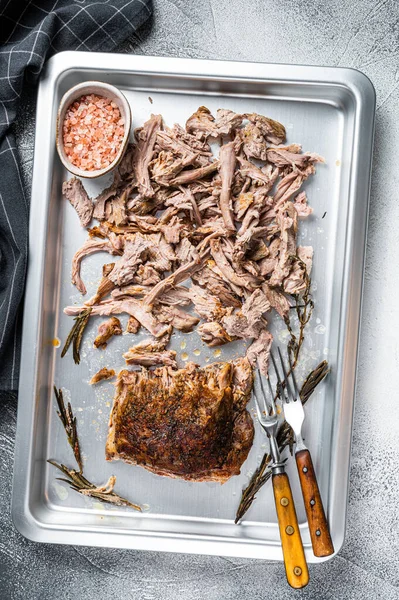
[[190, 424]]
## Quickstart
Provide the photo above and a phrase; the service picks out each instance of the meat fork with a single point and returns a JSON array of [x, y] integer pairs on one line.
[[294, 415], [296, 568]]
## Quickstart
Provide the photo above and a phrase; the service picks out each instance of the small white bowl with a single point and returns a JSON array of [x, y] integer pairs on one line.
[[100, 89]]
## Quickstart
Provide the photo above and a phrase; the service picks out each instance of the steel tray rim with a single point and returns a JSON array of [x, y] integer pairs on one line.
[[363, 94]]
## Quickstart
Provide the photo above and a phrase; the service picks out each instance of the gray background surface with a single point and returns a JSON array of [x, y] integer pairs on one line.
[[363, 35]]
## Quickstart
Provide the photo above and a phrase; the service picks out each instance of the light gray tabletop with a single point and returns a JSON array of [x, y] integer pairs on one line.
[[362, 34]]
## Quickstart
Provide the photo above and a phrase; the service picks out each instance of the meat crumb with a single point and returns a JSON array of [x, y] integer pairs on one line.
[[102, 375]]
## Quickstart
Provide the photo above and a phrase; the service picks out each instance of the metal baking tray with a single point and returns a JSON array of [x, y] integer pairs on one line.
[[329, 111]]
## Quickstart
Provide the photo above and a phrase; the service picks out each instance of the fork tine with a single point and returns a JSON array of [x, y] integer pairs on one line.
[[263, 393], [272, 397], [293, 377], [290, 395], [280, 388], [275, 369], [262, 390], [257, 403], [257, 406]]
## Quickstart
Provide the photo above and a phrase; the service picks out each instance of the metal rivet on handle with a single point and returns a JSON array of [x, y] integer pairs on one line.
[[305, 469], [297, 571], [312, 502], [289, 530], [284, 501], [318, 532]]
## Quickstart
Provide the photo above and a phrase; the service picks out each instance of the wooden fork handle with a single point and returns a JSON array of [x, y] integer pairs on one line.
[[294, 556], [318, 525]]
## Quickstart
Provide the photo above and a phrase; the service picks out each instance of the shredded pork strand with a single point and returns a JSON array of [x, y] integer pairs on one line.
[[227, 220]]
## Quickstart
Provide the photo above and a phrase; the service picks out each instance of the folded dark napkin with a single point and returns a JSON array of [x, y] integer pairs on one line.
[[30, 33]]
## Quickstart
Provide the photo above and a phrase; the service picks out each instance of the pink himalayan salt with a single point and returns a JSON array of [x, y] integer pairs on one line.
[[93, 131]]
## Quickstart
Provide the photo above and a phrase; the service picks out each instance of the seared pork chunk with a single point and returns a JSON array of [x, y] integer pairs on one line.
[[202, 123], [186, 252], [242, 203], [213, 334], [118, 212], [133, 325], [147, 276], [237, 326], [268, 264], [167, 141], [282, 157], [106, 331], [191, 423], [305, 254], [165, 167]]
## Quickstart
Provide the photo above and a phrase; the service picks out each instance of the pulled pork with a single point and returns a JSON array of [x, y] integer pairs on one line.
[[175, 212], [74, 191]]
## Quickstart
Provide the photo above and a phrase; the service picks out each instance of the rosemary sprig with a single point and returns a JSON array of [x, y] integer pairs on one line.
[[304, 307], [313, 379], [284, 439], [76, 479], [258, 480], [80, 484], [76, 334], [69, 422]]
